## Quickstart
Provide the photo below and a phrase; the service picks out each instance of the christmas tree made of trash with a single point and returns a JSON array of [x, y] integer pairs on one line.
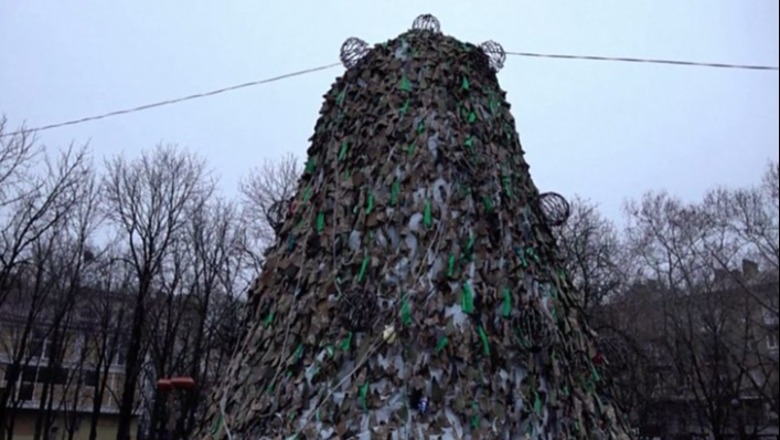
[[414, 290]]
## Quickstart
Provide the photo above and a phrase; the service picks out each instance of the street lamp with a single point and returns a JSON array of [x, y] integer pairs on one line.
[[168, 385]]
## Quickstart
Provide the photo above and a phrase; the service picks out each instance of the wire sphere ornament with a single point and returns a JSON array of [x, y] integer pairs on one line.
[[495, 53], [358, 310], [534, 330], [555, 208], [427, 22], [352, 51], [277, 214]]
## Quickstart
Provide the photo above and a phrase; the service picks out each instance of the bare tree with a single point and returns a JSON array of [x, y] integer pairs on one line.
[[34, 209], [697, 325], [216, 234], [590, 247], [17, 155], [749, 217], [148, 200], [106, 330], [66, 268], [203, 276], [274, 182]]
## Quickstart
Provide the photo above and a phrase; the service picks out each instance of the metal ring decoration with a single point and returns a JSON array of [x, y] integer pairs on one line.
[[427, 22], [534, 329], [495, 53], [358, 310], [277, 213], [555, 208], [352, 51]]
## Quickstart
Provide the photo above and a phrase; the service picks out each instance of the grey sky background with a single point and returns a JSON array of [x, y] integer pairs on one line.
[[604, 130]]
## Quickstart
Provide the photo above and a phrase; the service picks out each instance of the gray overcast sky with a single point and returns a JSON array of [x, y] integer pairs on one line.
[[604, 130]]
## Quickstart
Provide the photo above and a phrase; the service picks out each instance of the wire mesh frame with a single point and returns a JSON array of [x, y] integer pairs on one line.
[[352, 51], [427, 22], [555, 208], [358, 310], [277, 213], [535, 331], [495, 53]]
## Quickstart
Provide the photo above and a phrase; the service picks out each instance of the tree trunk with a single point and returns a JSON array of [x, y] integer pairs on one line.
[[133, 364], [415, 289]]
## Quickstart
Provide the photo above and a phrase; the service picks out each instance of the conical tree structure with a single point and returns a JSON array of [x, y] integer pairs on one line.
[[414, 290]]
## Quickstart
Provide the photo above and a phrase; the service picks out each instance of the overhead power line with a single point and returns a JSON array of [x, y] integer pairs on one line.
[[174, 101], [328, 66], [645, 60]]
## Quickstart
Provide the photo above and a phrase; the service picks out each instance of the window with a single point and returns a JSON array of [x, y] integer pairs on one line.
[[91, 378], [26, 391], [52, 375], [771, 341], [120, 355], [770, 316], [39, 345], [12, 370], [29, 372]]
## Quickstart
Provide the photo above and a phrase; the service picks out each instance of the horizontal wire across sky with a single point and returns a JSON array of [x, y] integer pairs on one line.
[[328, 66]]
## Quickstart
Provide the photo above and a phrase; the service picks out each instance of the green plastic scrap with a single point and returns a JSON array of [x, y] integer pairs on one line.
[[346, 342], [427, 221], [411, 149], [404, 108], [450, 266], [406, 85], [406, 311], [363, 395], [298, 353], [421, 126], [475, 416], [485, 343], [320, 221], [469, 143], [394, 193], [537, 403], [311, 165], [472, 117], [307, 193], [523, 261], [465, 83], [467, 299], [595, 374], [370, 203], [488, 204], [269, 319], [217, 425], [363, 267], [507, 309], [532, 253], [507, 184], [443, 341], [493, 104], [469, 245], [343, 150], [340, 98]]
